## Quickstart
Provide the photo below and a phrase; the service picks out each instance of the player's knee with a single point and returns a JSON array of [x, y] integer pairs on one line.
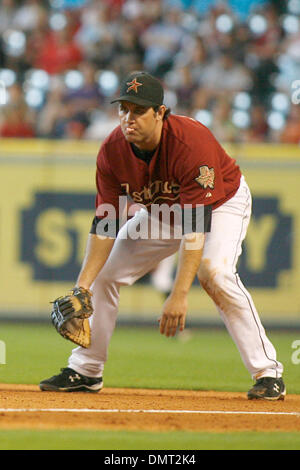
[[219, 284], [104, 278], [212, 277], [206, 271], [110, 277]]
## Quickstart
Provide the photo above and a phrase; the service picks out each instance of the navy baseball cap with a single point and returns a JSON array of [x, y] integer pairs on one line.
[[141, 88]]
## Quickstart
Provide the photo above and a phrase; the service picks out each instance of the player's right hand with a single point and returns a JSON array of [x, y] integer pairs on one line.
[[173, 315]]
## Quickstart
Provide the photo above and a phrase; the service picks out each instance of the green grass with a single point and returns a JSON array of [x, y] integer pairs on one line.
[[142, 358], [132, 440]]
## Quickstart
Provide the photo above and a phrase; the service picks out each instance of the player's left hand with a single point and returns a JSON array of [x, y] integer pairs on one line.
[[173, 314], [70, 316]]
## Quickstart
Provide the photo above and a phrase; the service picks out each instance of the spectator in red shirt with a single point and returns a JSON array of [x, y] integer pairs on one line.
[[291, 131], [16, 124], [59, 52]]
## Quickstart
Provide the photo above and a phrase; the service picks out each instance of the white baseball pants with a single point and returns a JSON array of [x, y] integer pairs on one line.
[[130, 259]]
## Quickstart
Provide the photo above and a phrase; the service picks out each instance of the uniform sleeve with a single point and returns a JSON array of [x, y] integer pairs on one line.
[[108, 199], [199, 173], [201, 183], [108, 186]]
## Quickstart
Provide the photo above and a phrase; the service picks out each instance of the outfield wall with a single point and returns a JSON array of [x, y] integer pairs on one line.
[[47, 205]]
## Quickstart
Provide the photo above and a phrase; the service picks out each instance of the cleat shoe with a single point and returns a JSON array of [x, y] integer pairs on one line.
[[267, 388], [71, 381]]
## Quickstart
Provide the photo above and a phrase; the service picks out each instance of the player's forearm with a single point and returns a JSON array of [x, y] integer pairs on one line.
[[175, 308], [190, 255], [97, 252]]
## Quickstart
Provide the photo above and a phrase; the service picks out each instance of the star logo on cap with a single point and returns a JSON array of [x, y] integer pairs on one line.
[[133, 85]]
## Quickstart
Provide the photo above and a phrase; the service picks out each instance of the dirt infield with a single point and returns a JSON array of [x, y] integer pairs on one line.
[[25, 407]]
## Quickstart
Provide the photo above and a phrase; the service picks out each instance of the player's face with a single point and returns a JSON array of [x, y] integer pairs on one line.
[[141, 125]]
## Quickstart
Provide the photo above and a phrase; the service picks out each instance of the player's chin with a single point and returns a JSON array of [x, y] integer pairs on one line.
[[131, 138]]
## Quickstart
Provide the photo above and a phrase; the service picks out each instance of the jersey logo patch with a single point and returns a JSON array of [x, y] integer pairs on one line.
[[206, 178], [133, 85]]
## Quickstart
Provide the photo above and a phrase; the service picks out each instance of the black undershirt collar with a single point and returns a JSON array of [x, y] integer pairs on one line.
[[145, 155]]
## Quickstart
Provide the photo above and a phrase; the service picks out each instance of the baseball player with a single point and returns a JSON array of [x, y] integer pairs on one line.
[[158, 160]]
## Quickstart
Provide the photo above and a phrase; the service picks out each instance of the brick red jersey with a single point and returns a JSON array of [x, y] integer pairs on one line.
[[188, 167]]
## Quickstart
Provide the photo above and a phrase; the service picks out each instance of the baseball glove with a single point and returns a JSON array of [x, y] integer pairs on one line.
[[70, 316]]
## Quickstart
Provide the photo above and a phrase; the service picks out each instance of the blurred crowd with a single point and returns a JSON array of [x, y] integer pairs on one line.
[[233, 65]]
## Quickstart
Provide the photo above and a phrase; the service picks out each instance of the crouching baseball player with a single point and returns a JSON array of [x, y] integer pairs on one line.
[[158, 160]]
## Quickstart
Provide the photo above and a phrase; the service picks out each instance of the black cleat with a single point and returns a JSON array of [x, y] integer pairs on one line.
[[267, 388], [71, 381]]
